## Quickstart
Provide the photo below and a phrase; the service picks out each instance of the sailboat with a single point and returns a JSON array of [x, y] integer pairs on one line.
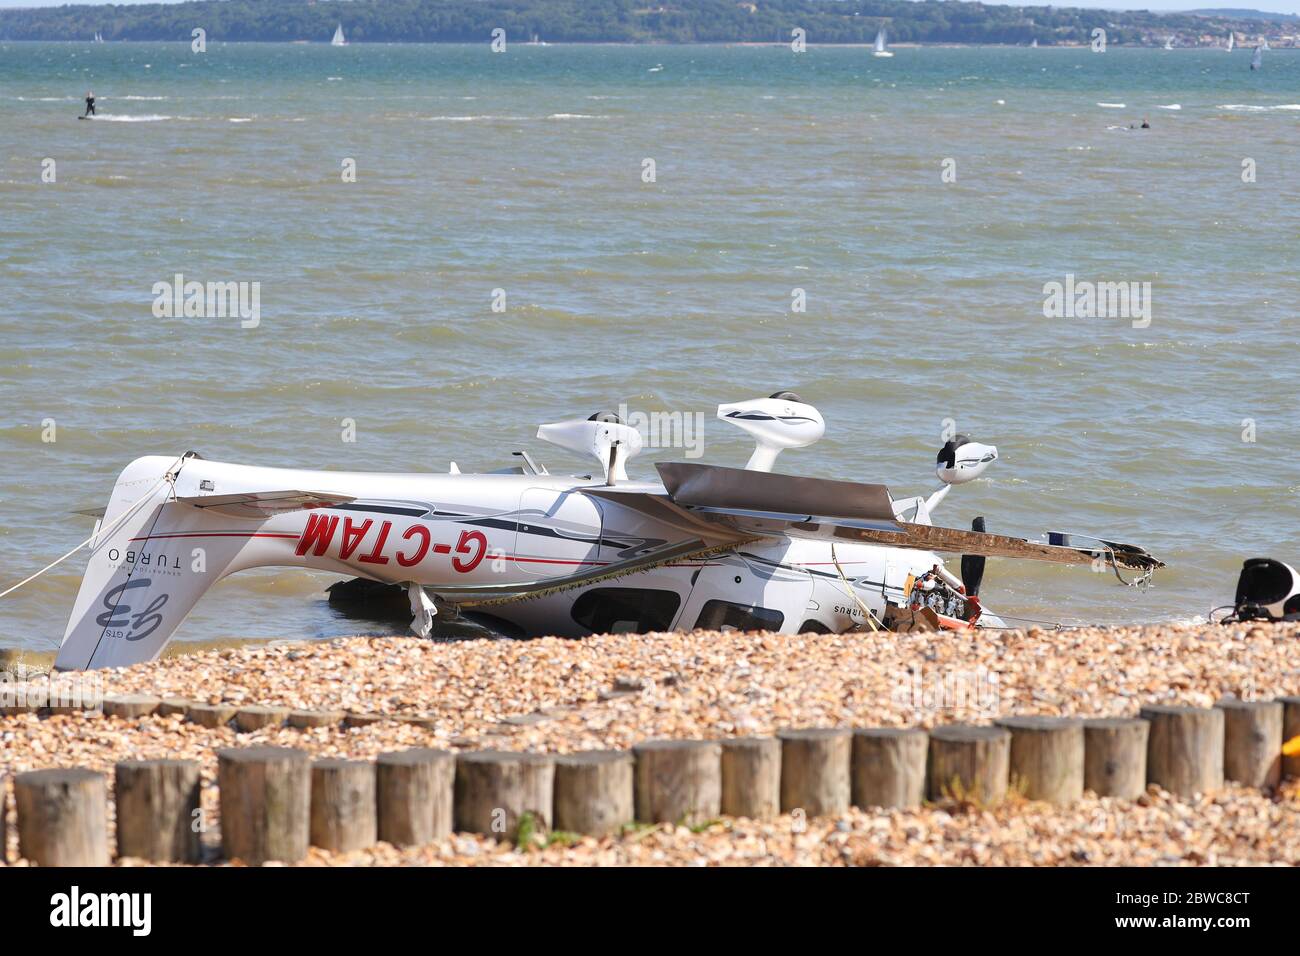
[[99, 37], [1232, 41], [1034, 45], [880, 45], [339, 39], [1169, 43], [1257, 60]]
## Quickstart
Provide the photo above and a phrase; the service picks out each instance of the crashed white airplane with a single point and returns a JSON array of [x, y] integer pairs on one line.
[[535, 553]]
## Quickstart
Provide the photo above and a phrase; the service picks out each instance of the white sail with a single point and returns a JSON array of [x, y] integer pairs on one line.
[[1035, 43], [880, 45], [339, 39], [1169, 43], [1258, 59], [1232, 41]]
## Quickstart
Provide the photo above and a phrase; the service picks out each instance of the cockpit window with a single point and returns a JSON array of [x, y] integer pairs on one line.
[[726, 616], [626, 610]]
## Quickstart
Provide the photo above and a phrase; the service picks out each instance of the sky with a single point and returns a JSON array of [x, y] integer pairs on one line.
[[1273, 6]]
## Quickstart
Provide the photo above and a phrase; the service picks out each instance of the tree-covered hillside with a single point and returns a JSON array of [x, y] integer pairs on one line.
[[645, 21]]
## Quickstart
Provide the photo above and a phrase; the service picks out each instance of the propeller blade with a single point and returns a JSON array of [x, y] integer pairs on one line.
[[972, 565]]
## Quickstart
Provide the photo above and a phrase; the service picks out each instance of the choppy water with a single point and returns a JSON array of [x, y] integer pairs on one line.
[[522, 171]]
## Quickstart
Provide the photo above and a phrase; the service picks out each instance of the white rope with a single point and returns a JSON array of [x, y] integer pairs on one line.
[[853, 593], [101, 532]]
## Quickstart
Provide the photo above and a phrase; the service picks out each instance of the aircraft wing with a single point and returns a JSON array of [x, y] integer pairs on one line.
[[701, 535], [264, 504], [765, 503]]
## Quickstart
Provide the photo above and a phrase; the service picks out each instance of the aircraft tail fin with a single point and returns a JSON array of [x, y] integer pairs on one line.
[[144, 574]]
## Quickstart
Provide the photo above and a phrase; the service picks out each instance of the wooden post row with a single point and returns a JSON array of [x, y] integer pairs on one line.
[[274, 801]]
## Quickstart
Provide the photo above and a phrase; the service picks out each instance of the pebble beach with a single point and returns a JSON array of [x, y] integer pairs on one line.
[[614, 691]]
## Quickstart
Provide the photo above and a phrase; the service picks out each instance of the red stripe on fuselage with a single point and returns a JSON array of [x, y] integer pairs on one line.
[[218, 534]]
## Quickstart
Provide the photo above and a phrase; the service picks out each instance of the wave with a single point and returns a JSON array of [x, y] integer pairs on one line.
[[123, 118], [486, 117], [108, 181], [1170, 106], [151, 98], [1113, 106], [1255, 108]]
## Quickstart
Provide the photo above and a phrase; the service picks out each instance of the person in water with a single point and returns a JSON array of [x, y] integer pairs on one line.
[[1145, 124], [90, 103]]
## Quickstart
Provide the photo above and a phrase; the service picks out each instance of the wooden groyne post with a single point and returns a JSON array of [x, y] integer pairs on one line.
[[414, 791], [265, 803], [249, 719], [594, 791], [131, 706], [969, 762], [678, 781], [751, 777], [1252, 741], [343, 815], [889, 767], [1046, 758], [158, 810], [1115, 756], [62, 817], [815, 770], [1185, 748], [210, 715], [1290, 731], [495, 788]]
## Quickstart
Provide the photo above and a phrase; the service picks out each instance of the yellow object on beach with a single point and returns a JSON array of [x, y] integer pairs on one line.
[[1291, 748]]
